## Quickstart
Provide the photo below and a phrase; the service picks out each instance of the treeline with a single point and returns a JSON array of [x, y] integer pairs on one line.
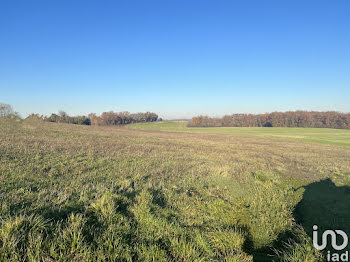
[[329, 119], [121, 118], [63, 117], [106, 118]]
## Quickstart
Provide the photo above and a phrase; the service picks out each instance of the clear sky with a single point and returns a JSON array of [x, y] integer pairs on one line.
[[176, 58]]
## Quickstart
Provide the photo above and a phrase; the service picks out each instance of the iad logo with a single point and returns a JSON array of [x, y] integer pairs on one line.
[[333, 234]]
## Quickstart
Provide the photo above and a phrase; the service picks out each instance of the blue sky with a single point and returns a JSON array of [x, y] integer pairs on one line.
[[175, 58]]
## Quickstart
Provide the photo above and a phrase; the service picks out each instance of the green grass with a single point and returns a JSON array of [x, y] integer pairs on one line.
[[91, 193], [315, 135]]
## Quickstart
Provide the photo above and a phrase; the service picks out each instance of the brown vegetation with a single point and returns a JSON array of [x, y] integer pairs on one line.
[[278, 119]]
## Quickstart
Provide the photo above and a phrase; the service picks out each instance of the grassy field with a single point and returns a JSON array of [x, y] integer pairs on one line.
[[316, 135], [164, 192]]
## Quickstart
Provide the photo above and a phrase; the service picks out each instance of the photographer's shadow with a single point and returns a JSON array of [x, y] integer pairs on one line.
[[325, 205]]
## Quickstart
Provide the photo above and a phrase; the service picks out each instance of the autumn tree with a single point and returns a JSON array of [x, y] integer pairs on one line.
[[278, 119]]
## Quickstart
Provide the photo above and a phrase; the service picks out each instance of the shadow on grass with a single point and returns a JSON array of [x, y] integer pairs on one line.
[[323, 204], [326, 205]]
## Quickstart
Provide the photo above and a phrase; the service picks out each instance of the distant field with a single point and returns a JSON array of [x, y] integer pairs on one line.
[[142, 193], [315, 135]]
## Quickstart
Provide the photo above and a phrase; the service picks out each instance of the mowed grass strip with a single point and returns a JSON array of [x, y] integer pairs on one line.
[[339, 137]]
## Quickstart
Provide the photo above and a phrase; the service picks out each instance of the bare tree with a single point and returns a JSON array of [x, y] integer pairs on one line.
[[6, 110]]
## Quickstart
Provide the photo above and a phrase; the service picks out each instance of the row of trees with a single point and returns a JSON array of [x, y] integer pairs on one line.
[[106, 118], [63, 117], [329, 119], [122, 118]]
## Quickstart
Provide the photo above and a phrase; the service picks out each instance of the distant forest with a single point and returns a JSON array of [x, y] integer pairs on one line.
[[329, 119], [105, 119]]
